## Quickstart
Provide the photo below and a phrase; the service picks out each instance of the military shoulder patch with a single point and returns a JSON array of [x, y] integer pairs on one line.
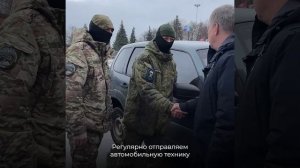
[[8, 57], [150, 75], [70, 69]]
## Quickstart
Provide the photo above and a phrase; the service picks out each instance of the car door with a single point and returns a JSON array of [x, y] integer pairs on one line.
[[120, 81], [179, 131]]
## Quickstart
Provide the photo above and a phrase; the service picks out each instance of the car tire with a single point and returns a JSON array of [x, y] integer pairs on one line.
[[117, 128]]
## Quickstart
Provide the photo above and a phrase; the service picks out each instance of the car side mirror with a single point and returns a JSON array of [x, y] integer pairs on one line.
[[185, 91]]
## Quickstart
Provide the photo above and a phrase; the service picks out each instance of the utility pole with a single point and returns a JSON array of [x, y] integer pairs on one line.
[[197, 27], [197, 5]]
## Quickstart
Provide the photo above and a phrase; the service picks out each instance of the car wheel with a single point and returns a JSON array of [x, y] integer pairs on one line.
[[117, 129]]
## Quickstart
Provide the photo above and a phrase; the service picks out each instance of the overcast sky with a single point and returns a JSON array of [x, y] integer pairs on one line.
[[139, 13]]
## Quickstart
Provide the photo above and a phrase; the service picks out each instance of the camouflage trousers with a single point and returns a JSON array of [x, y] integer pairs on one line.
[[17, 146], [133, 138], [17, 150], [86, 155], [30, 149]]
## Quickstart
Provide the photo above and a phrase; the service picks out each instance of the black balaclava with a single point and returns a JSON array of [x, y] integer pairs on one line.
[[60, 4], [99, 34], [162, 44]]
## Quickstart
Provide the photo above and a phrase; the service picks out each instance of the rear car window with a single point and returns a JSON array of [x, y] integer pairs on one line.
[[121, 60], [136, 52]]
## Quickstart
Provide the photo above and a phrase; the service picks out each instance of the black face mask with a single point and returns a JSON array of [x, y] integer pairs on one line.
[[162, 44], [57, 4], [99, 34]]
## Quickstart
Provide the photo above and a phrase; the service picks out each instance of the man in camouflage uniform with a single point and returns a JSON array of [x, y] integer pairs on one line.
[[149, 100], [88, 104], [32, 131], [148, 104]]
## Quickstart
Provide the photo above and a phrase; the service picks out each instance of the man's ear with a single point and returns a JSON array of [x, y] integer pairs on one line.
[[216, 29]]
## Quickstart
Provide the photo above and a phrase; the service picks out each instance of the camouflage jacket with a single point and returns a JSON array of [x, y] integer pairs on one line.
[[33, 59], [88, 104], [148, 103], [32, 71]]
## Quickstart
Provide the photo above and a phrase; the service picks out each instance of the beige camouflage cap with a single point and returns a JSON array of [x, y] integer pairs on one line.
[[102, 21]]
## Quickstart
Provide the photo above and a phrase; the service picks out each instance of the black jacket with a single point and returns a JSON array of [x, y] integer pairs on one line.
[[268, 119], [214, 109]]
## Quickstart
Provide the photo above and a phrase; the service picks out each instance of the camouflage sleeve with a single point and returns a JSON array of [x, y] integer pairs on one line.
[[147, 89], [176, 75], [174, 69], [18, 72], [109, 105], [76, 74], [19, 60]]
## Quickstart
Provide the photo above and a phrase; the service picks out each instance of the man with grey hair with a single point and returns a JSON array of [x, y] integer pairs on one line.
[[214, 109]]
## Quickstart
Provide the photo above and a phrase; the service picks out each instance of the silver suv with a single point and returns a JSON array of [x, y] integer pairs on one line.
[[190, 58]]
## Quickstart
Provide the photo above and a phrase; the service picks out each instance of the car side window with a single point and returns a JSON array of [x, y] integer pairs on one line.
[[203, 56], [122, 59], [186, 71], [137, 52]]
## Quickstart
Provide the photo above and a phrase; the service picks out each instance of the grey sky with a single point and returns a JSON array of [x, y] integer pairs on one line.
[[139, 13]]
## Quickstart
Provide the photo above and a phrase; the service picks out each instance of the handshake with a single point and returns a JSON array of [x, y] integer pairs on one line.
[[176, 111]]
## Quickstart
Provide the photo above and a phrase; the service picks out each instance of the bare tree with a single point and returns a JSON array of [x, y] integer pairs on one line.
[[148, 35], [202, 31], [196, 31], [178, 28], [69, 35]]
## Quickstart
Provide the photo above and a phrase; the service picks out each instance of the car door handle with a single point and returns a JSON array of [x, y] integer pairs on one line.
[[124, 85]]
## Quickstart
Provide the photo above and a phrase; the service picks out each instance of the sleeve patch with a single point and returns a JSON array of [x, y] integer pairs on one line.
[[150, 75], [70, 69], [8, 57]]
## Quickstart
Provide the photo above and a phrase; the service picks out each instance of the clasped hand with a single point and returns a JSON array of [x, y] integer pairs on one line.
[[176, 112]]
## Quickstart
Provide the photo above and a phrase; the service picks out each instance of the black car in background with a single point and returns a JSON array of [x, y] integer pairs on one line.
[[190, 58]]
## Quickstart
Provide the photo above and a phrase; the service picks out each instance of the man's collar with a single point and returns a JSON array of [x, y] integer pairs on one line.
[[229, 39], [287, 8]]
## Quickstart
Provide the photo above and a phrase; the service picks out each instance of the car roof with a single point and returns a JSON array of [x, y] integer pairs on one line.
[[244, 15], [177, 44]]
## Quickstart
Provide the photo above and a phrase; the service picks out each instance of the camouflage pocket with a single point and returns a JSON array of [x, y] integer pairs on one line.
[[8, 57]]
